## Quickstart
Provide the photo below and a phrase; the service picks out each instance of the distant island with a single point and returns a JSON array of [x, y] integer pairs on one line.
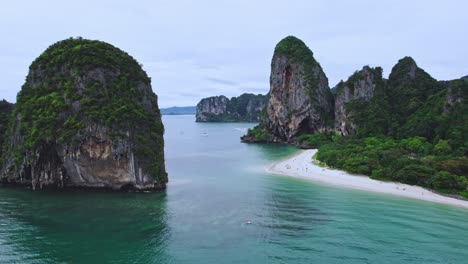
[[409, 128], [179, 110], [244, 108]]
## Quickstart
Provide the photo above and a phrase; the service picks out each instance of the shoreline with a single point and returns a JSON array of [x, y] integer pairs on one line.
[[300, 166]]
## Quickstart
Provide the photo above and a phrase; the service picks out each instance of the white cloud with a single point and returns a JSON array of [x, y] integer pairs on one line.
[[190, 48]]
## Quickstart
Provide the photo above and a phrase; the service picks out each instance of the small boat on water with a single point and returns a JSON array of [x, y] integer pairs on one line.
[[242, 129]]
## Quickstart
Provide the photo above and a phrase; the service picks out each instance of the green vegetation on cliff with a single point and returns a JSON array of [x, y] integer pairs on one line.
[[409, 89], [240, 105], [77, 84], [370, 116], [411, 103], [426, 146], [436, 165], [244, 108], [296, 51], [410, 128], [63, 65], [82, 55], [359, 75], [299, 95], [5, 113], [257, 134], [299, 53], [314, 140]]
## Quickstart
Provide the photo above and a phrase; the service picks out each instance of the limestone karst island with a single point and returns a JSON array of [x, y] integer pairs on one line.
[[234, 132], [244, 108], [85, 117]]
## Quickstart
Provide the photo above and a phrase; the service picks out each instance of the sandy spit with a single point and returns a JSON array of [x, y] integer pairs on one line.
[[301, 166]]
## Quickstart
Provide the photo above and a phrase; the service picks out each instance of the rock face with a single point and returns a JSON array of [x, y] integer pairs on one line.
[[245, 108], [457, 93], [86, 117], [211, 107], [360, 86], [300, 99], [410, 103], [5, 112], [409, 87]]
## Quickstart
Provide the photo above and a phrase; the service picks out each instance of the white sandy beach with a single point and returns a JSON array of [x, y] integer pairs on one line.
[[301, 166]]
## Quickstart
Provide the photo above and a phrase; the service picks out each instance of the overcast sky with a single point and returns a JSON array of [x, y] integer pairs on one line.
[[194, 49]]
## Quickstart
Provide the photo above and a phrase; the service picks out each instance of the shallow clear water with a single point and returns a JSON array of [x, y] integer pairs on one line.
[[216, 185]]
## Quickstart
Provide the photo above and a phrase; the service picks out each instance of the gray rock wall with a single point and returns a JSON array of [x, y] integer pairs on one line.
[[244, 108], [360, 86]]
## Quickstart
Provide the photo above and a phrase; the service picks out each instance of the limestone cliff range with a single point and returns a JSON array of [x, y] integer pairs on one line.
[[245, 108], [301, 102], [359, 86], [300, 99], [85, 117]]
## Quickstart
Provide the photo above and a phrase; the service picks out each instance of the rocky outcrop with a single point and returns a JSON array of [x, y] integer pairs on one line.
[[409, 87], [300, 100], [245, 108], [86, 117], [457, 92], [5, 112], [454, 93], [405, 72], [211, 108], [360, 86], [410, 103]]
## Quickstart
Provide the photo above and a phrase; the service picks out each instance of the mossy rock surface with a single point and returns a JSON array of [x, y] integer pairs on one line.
[[78, 91]]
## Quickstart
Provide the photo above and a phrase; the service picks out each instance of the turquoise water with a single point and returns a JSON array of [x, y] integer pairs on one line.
[[216, 185]]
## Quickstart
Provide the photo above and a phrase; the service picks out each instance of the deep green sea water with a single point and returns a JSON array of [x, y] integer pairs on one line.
[[216, 185]]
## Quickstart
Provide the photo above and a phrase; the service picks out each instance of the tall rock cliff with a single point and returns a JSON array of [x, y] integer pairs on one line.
[[409, 87], [456, 94], [86, 117], [245, 108], [211, 108], [300, 100], [359, 86], [5, 112]]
